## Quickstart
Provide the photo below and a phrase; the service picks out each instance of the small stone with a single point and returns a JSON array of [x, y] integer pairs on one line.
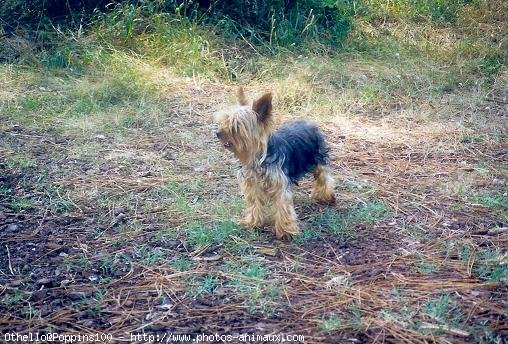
[[38, 295], [16, 283], [65, 282], [172, 244], [45, 311], [44, 281], [76, 295], [56, 302], [120, 217], [89, 323], [53, 246], [168, 156], [12, 227], [100, 137], [156, 327], [152, 315], [118, 211], [375, 272], [165, 307]]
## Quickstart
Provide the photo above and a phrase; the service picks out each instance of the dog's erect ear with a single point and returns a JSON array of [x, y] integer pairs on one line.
[[263, 107], [241, 96]]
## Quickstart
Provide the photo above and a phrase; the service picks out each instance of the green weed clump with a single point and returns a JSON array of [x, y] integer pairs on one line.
[[342, 224], [199, 234], [251, 280], [437, 11], [444, 310]]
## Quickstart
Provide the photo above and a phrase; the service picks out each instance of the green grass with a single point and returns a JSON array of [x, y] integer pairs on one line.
[[151, 256], [254, 270], [13, 298], [20, 162], [53, 197], [80, 261], [93, 305], [341, 223], [180, 194], [165, 235], [251, 281], [108, 95], [371, 212], [229, 208], [307, 234], [182, 264], [4, 190], [472, 138], [492, 266], [415, 233], [330, 323], [444, 311], [200, 234], [403, 312], [335, 223], [493, 201], [427, 268], [21, 204], [356, 317], [436, 11], [204, 286], [497, 202]]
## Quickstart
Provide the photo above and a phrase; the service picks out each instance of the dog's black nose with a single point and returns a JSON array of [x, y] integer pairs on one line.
[[219, 134]]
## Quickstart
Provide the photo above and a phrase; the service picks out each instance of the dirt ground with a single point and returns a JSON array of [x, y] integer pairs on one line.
[[102, 233]]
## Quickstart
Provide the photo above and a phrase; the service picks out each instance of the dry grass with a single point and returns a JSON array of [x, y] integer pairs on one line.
[[114, 247], [118, 208]]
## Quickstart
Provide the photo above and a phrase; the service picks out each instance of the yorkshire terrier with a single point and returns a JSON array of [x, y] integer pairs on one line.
[[272, 161]]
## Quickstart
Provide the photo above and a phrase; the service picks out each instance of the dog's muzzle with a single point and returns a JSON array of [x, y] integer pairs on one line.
[[223, 140]]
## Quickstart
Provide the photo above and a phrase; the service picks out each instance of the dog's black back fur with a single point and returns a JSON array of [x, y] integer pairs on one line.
[[297, 148]]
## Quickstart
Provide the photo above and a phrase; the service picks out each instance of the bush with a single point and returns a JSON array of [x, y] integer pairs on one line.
[[278, 22], [33, 13], [286, 22]]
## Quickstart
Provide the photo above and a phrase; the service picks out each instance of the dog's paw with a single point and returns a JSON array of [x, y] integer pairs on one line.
[[328, 198], [286, 231], [250, 222]]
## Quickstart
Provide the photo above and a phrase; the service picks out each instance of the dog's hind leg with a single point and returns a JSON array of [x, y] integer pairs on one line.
[[323, 185]]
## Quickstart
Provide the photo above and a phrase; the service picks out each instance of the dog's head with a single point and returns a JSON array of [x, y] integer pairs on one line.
[[244, 129]]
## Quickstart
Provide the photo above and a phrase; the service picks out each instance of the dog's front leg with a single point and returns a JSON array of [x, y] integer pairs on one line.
[[254, 198], [286, 224]]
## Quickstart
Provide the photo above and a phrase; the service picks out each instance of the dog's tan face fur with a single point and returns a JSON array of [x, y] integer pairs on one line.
[[244, 129]]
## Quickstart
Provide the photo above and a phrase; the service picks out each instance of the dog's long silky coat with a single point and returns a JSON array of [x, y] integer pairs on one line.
[[273, 161]]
